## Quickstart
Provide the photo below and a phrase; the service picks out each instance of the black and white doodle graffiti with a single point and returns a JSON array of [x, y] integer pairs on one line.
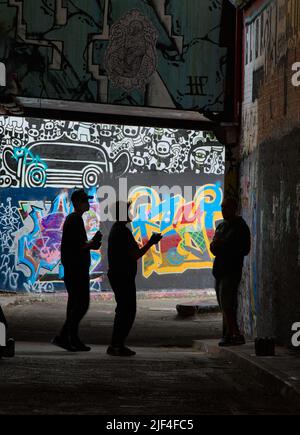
[[43, 153], [131, 58]]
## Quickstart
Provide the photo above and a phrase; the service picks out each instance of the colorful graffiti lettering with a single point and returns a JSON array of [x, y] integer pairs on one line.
[[187, 228], [38, 241], [43, 159]]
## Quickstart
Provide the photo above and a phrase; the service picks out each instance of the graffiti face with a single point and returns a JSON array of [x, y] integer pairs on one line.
[[131, 55], [163, 149], [200, 156], [208, 160], [33, 132], [138, 161], [131, 132]]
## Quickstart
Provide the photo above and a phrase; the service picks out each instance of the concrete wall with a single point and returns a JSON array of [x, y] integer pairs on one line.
[[269, 170], [41, 162]]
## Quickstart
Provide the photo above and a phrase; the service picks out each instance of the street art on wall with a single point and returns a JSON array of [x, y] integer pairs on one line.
[[270, 32], [123, 52], [9, 225], [31, 234], [239, 3], [187, 227], [41, 153], [130, 58], [31, 231], [41, 161], [271, 39]]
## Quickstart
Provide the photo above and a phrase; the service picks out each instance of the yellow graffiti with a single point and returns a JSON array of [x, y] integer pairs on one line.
[[187, 228]]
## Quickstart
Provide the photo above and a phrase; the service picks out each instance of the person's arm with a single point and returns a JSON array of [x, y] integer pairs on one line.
[[91, 245], [216, 244], [244, 240], [137, 252], [94, 243]]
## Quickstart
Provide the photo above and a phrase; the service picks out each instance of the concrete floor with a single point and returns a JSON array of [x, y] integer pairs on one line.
[[166, 377], [39, 318], [43, 380]]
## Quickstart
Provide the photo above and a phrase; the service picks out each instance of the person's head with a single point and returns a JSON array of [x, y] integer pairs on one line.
[[229, 208], [120, 211], [80, 200]]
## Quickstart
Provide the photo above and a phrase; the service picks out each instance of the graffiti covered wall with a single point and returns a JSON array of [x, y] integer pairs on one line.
[[269, 170], [187, 226], [41, 161], [31, 231], [41, 153], [124, 52]]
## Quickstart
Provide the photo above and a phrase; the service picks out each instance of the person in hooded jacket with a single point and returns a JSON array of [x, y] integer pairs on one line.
[[231, 243]]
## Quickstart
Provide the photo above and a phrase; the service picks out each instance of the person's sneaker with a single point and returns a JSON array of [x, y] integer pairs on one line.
[[79, 346], [225, 342], [237, 340], [113, 351], [83, 348], [63, 343], [127, 352], [120, 351]]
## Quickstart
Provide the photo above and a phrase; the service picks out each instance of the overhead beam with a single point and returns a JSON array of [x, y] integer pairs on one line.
[[112, 114]]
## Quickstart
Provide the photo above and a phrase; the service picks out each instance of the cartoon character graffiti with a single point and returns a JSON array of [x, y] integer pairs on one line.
[[60, 154], [207, 159]]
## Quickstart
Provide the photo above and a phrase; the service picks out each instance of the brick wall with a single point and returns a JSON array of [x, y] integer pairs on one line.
[[269, 168]]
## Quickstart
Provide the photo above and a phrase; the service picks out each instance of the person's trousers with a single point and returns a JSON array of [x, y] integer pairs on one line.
[[78, 288], [125, 294], [2, 318], [227, 294]]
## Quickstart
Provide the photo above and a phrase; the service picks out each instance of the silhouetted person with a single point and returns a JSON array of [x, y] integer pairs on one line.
[[76, 259], [123, 253], [2, 318], [8, 350], [230, 244]]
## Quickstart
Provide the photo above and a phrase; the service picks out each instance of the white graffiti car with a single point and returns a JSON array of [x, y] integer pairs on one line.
[[66, 164]]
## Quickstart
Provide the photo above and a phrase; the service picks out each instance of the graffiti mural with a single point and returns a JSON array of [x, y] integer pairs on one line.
[[9, 225], [131, 55], [30, 242], [41, 161], [187, 227], [239, 3], [123, 52], [31, 231], [270, 112], [60, 154], [271, 34]]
